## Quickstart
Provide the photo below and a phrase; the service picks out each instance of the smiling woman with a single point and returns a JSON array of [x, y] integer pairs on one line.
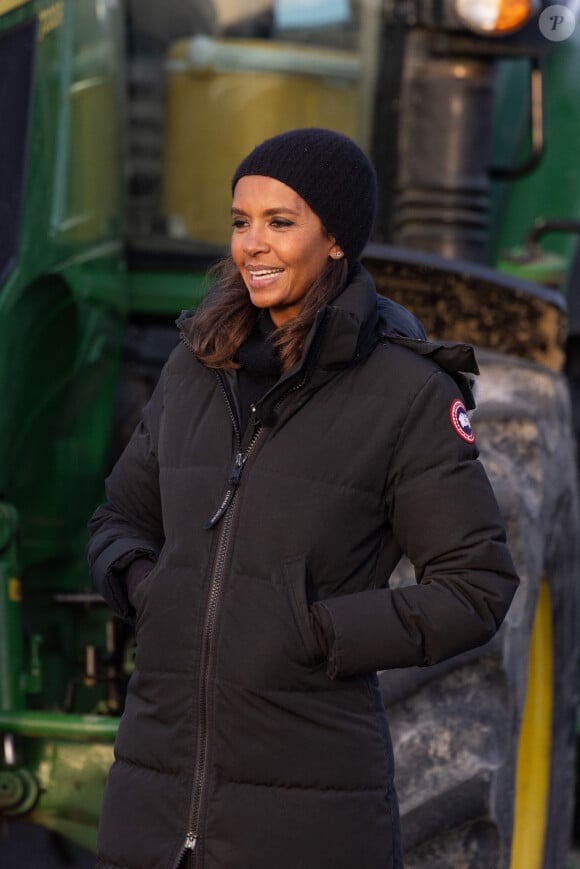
[[279, 245], [303, 204], [301, 438]]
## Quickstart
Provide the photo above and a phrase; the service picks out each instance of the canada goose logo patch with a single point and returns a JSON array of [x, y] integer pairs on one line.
[[460, 421]]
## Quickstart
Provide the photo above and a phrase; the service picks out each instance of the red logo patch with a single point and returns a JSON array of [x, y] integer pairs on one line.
[[460, 421]]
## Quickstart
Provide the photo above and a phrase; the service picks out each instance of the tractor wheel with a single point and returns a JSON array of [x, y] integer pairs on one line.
[[484, 743]]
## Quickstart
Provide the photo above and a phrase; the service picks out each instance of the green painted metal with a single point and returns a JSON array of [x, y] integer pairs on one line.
[[62, 313], [71, 781], [55, 781], [553, 190], [546, 269], [58, 725], [19, 791], [11, 653], [165, 292], [63, 307], [58, 785]]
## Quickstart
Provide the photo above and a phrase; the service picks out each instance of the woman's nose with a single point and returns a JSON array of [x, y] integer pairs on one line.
[[255, 241]]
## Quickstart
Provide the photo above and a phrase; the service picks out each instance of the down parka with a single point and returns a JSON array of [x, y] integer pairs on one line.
[[242, 746]]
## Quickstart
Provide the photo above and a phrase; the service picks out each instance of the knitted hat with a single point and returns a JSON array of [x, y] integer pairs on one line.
[[330, 172]]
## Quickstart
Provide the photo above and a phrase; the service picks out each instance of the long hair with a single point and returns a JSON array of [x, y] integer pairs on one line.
[[226, 316]]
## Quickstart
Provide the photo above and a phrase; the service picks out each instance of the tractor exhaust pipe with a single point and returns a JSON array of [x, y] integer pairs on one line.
[[443, 190]]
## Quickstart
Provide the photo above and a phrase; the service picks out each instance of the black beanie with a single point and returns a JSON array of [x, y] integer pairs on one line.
[[330, 172]]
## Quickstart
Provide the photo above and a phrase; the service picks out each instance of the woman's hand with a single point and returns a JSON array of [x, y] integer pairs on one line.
[[135, 574]]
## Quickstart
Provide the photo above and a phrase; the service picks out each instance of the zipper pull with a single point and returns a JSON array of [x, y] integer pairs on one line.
[[234, 482], [237, 468], [188, 845], [213, 520]]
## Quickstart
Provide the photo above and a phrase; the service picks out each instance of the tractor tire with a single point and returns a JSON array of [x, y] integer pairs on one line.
[[484, 744]]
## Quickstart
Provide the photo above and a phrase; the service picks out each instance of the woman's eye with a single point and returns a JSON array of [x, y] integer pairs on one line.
[[276, 223]]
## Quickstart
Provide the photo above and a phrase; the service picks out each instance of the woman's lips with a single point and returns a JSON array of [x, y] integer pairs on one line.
[[263, 276]]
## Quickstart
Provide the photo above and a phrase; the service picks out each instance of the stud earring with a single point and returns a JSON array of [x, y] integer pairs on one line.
[[338, 254]]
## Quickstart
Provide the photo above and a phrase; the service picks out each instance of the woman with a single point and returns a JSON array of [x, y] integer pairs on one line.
[[301, 438]]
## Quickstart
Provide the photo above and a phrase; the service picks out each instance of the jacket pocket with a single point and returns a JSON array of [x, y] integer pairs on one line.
[[296, 577], [140, 597]]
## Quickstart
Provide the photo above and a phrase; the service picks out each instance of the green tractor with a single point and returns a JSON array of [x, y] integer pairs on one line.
[[121, 124]]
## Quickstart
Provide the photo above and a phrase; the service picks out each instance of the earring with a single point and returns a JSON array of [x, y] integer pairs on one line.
[[338, 254]]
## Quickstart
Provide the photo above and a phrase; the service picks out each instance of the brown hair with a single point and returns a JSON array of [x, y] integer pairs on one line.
[[226, 316]]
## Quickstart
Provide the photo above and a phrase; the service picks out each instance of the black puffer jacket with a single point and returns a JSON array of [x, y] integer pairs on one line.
[[239, 739]]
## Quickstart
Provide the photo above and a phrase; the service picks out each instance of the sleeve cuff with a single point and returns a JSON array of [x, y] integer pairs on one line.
[[109, 566], [323, 627]]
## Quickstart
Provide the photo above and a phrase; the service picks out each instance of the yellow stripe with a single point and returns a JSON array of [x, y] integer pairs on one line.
[[9, 5], [14, 590], [535, 747]]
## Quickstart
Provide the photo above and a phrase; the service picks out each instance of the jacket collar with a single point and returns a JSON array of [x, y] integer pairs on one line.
[[342, 332], [346, 329]]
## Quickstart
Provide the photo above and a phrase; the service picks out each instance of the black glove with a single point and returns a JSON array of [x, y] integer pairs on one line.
[[136, 573]]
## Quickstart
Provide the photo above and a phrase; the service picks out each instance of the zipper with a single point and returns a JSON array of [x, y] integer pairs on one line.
[[234, 480], [188, 845], [211, 610], [225, 511], [206, 664], [240, 458]]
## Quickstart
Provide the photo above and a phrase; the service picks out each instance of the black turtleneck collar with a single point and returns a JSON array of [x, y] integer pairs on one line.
[[260, 366], [258, 356]]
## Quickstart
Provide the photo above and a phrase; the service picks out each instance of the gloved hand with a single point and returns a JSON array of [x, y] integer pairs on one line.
[[136, 573]]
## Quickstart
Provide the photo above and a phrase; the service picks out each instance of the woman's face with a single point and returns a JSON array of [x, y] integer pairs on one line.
[[278, 244]]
